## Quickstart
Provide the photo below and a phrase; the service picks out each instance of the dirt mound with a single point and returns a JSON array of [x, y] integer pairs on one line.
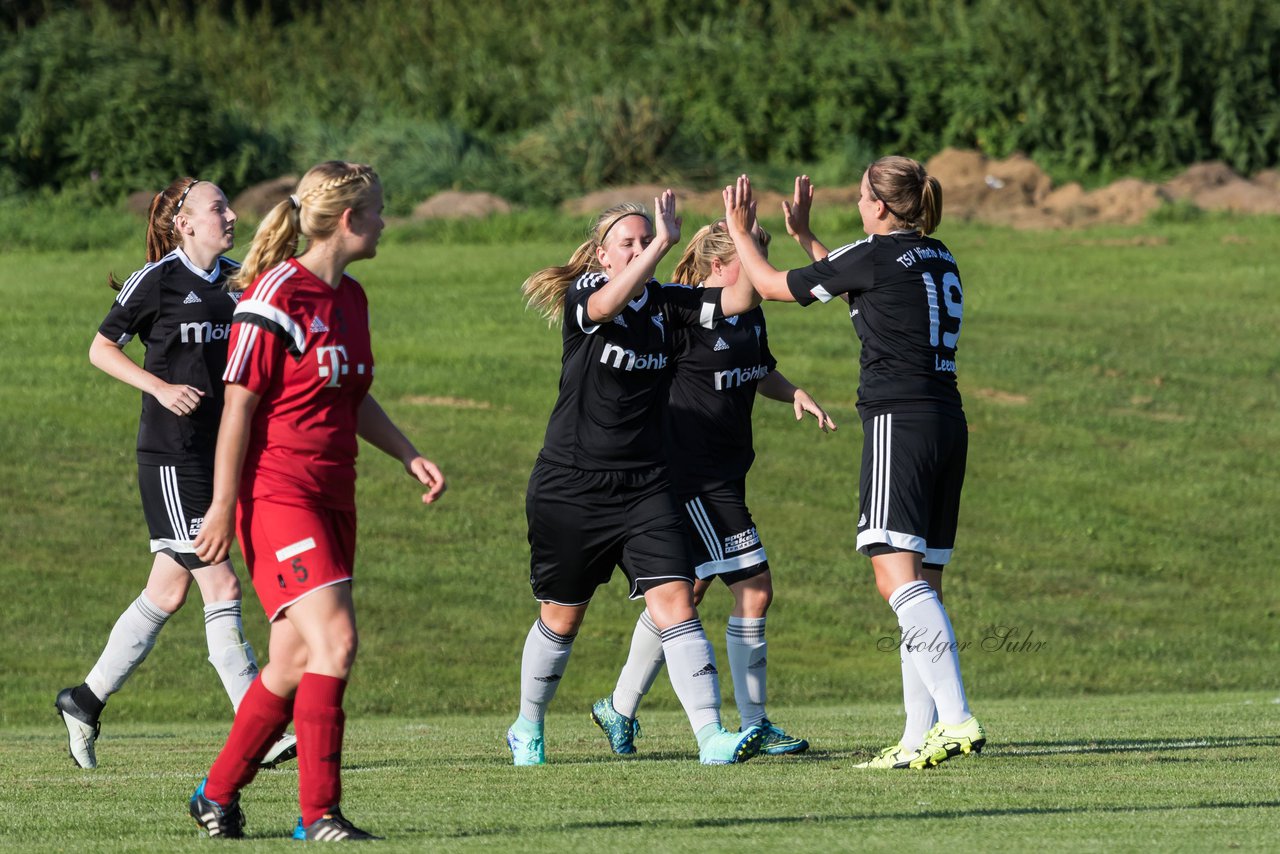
[[454, 204], [1214, 187], [260, 198], [139, 203], [593, 203]]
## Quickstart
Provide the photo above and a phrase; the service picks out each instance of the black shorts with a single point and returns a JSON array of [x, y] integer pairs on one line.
[[174, 501], [584, 523], [912, 473], [725, 541]]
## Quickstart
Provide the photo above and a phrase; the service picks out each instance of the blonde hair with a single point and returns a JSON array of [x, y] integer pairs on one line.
[[910, 194], [711, 242], [162, 234], [313, 211], [546, 288]]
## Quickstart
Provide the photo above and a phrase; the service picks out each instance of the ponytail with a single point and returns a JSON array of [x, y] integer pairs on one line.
[[545, 289], [911, 195], [162, 236]]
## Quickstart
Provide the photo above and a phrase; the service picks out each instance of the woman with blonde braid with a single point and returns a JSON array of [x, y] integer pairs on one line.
[[718, 370], [297, 396], [599, 495]]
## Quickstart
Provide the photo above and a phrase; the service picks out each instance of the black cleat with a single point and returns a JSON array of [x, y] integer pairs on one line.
[[82, 726], [332, 827], [218, 821]]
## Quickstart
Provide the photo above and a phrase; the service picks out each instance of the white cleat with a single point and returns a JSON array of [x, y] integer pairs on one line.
[[282, 751], [82, 730]]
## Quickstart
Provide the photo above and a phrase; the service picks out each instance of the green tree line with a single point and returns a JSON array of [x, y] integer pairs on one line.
[[542, 101]]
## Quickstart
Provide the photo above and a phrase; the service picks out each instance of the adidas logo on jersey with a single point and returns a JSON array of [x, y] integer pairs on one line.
[[720, 345], [618, 320], [192, 298], [317, 326]]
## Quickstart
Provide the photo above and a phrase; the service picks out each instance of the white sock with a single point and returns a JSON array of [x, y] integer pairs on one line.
[[546, 654], [691, 664], [926, 631], [748, 658], [229, 653], [644, 661], [131, 638], [922, 714]]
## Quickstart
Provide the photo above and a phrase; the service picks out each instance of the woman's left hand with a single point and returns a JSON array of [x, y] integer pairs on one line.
[[666, 226], [803, 403], [429, 475]]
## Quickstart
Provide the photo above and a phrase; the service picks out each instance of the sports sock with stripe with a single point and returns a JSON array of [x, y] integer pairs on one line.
[[748, 650], [130, 641], [546, 655], [319, 722], [691, 664], [644, 661], [229, 652], [931, 645]]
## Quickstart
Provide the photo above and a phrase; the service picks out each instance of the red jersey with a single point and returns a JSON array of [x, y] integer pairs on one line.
[[303, 347]]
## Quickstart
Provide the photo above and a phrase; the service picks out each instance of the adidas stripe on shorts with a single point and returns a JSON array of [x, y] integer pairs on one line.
[[909, 491], [725, 540], [174, 501]]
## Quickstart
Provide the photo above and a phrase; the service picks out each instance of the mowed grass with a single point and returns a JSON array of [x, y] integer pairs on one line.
[[1134, 772], [1117, 537]]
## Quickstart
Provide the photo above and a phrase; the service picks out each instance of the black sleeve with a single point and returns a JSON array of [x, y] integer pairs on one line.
[[136, 307], [575, 302], [688, 306], [848, 270]]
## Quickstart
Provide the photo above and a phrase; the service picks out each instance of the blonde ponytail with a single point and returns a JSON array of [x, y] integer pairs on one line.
[[313, 211], [545, 289]]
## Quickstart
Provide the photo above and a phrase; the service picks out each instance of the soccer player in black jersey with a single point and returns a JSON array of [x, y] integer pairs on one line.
[[903, 291], [599, 495], [718, 370], [178, 307]]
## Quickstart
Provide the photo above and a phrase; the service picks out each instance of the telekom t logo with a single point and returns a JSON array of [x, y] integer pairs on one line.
[[337, 366]]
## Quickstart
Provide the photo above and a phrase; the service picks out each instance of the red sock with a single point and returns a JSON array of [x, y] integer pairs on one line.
[[260, 721], [319, 721]]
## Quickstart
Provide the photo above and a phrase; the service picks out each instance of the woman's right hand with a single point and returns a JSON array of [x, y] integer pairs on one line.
[[217, 532], [739, 207], [666, 226], [178, 399], [796, 212]]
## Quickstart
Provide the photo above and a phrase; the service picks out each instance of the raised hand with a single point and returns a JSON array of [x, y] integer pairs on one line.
[[796, 212], [739, 206], [666, 224]]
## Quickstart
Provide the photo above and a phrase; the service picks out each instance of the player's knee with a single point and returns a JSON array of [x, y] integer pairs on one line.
[[756, 600], [167, 597]]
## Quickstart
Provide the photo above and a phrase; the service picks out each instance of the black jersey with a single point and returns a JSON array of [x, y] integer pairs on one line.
[[182, 315], [713, 390], [614, 376], [906, 303]]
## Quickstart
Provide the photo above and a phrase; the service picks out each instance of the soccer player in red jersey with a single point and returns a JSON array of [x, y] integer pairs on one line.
[[902, 289], [297, 396]]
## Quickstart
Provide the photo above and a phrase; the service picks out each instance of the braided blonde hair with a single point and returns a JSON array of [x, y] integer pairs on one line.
[[710, 242], [313, 212], [546, 288]]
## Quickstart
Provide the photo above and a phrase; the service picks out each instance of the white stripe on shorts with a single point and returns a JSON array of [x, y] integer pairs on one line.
[[295, 549], [881, 470], [173, 502], [706, 531]]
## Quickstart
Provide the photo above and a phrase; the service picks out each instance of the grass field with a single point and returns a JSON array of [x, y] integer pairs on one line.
[[1122, 388], [1120, 773]]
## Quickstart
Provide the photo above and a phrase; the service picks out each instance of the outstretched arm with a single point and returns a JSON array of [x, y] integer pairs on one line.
[[609, 300], [377, 428], [739, 215], [796, 215], [777, 387]]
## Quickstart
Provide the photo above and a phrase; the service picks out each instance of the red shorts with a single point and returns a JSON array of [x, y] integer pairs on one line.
[[292, 551]]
